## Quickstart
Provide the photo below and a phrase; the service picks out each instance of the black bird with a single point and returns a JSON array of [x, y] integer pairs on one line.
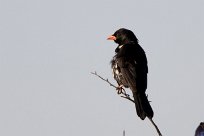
[[200, 130], [130, 69]]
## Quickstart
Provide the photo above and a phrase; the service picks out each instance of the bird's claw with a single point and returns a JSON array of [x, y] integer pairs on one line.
[[120, 89]]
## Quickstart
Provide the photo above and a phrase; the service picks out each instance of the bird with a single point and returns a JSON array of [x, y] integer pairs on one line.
[[200, 130], [129, 66]]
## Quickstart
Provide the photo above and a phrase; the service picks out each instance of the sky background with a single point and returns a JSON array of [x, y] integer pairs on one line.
[[49, 47]]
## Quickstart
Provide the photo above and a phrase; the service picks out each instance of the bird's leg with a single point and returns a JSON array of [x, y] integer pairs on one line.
[[120, 89]]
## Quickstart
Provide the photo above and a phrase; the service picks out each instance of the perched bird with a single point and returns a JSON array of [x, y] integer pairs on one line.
[[130, 69], [200, 130]]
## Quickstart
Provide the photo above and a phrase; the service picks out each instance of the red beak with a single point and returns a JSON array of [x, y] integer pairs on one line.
[[111, 38]]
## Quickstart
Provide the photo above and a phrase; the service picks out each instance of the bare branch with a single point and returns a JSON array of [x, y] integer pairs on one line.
[[127, 96], [106, 80], [122, 92], [158, 131]]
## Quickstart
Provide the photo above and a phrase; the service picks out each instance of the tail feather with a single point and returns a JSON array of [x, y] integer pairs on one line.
[[143, 107]]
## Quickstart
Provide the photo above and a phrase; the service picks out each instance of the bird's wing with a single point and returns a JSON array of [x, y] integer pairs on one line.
[[133, 64], [128, 72]]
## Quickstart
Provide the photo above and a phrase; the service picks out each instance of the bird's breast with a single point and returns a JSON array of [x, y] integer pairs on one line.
[[116, 71], [117, 74]]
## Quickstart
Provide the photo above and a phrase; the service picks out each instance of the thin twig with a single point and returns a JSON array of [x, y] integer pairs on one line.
[[123, 92], [106, 80], [158, 131], [126, 96]]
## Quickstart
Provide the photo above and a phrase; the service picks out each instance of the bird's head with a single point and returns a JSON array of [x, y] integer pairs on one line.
[[123, 36]]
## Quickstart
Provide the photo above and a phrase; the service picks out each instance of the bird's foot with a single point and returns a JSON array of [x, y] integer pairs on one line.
[[120, 89]]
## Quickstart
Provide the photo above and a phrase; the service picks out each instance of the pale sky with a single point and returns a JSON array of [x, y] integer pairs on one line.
[[49, 47]]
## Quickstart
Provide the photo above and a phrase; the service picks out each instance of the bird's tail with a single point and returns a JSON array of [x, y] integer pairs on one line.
[[143, 107]]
